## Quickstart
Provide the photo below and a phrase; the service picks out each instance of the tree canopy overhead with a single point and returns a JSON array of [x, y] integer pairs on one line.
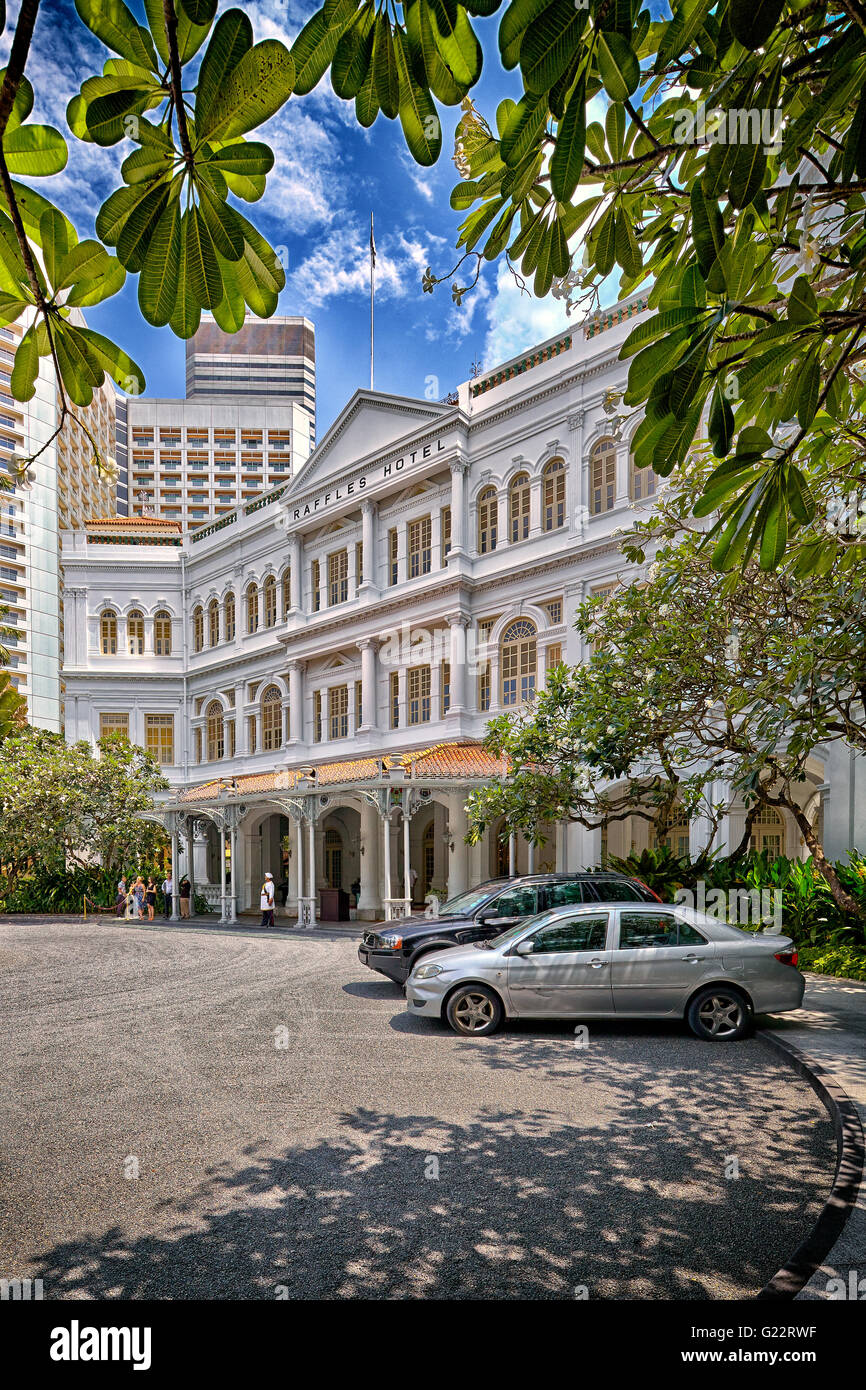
[[715, 156]]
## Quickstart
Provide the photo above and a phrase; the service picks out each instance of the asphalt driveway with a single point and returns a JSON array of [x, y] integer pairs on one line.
[[295, 1134]]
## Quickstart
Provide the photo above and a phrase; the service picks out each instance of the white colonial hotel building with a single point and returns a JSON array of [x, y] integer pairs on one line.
[[315, 669]]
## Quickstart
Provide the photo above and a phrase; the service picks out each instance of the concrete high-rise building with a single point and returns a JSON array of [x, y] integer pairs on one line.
[[246, 425], [63, 488]]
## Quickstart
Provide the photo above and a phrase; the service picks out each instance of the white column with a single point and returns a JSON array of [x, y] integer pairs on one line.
[[458, 508], [296, 552], [299, 866], [535, 493], [352, 562], [530, 856], [458, 855], [175, 875], [458, 623], [311, 867], [223, 873], [579, 476], [190, 841], [386, 855], [369, 905], [368, 536], [296, 702], [512, 855], [369, 711], [233, 846], [407, 865]]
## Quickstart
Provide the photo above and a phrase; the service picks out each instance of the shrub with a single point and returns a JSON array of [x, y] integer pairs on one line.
[[845, 962]]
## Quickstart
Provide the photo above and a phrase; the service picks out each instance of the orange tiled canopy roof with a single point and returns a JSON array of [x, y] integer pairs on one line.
[[439, 763]]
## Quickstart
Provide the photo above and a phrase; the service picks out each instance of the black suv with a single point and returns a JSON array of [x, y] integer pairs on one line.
[[488, 910]]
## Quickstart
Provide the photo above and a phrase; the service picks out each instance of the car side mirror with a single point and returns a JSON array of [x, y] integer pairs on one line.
[[524, 948]]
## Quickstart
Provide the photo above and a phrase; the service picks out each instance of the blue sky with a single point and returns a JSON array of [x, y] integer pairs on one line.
[[329, 175]]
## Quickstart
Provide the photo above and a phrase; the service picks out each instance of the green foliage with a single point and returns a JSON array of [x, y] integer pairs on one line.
[[662, 870], [61, 806], [844, 962], [694, 679]]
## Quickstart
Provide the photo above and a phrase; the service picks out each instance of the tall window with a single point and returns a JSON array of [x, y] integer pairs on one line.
[[359, 704], [317, 716], [394, 699], [392, 556], [642, 482], [602, 477], [338, 711], [229, 617], [215, 731], [446, 535], [213, 623], [518, 508], [676, 836], [197, 628], [252, 732], [272, 719], [287, 591], [113, 724], [420, 539], [162, 633], [108, 633], [419, 695], [488, 518], [270, 596], [159, 737], [359, 564], [484, 686], [445, 686], [253, 608], [554, 495], [768, 832], [517, 662], [135, 632], [316, 584], [338, 577]]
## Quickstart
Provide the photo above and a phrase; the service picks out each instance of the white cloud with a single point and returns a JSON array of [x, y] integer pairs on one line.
[[340, 264], [518, 321]]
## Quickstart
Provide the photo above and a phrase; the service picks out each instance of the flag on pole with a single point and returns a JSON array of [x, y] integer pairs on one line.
[[372, 243]]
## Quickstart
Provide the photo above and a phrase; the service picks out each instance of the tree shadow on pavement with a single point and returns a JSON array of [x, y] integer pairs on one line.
[[509, 1205]]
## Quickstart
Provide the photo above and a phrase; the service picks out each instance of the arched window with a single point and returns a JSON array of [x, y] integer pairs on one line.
[[135, 632], [197, 628], [162, 633], [518, 508], [272, 719], [270, 596], [488, 520], [518, 660], [602, 477], [642, 482], [213, 623], [554, 495], [215, 731], [253, 608], [229, 617], [768, 832], [108, 633], [287, 591]]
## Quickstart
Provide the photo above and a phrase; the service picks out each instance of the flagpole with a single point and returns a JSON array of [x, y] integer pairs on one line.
[[372, 275]]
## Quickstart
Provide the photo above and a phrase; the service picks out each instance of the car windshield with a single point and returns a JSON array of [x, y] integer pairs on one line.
[[466, 903]]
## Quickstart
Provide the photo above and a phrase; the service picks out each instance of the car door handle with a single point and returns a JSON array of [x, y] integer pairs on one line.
[[596, 964], [694, 959]]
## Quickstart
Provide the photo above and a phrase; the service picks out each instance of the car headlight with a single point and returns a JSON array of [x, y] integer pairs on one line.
[[391, 941], [427, 972]]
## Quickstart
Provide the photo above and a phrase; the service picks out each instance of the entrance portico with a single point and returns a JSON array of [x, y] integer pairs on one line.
[[388, 832]]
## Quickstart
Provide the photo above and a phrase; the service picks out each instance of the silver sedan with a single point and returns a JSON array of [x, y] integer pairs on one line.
[[619, 961]]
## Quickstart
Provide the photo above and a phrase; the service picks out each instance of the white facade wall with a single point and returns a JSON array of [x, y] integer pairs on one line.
[[385, 463]]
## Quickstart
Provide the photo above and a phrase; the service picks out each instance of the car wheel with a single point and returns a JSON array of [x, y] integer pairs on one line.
[[719, 1014], [474, 1010]]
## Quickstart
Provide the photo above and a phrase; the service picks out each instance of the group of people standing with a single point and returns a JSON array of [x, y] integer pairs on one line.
[[137, 897]]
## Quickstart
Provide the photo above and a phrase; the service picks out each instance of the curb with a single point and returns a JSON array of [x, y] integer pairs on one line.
[[787, 1282]]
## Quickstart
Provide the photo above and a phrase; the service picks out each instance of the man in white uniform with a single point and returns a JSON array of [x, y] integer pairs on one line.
[[266, 901]]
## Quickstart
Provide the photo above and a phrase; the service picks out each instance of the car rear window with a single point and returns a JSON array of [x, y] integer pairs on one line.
[[614, 890], [564, 894], [643, 929]]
